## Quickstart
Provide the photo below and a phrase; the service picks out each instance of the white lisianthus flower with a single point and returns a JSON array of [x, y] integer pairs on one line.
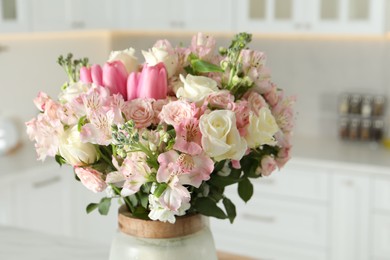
[[127, 57], [196, 88], [261, 128], [157, 55], [72, 91], [220, 137], [74, 151]]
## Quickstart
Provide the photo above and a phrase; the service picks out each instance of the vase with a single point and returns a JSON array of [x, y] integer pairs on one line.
[[188, 238]]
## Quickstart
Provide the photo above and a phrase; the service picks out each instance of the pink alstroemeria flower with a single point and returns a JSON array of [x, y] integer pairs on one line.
[[190, 170], [151, 82], [131, 175], [188, 137]]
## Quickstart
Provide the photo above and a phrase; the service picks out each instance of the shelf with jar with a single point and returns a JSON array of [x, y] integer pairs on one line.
[[361, 117]]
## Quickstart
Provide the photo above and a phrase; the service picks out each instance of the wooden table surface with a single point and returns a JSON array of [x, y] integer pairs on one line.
[[229, 256]]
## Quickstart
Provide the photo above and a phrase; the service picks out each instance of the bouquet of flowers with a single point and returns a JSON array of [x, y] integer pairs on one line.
[[168, 136]]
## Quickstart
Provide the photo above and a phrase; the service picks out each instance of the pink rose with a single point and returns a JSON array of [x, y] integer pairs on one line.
[[221, 99], [241, 109], [283, 156], [272, 96], [157, 107], [256, 102], [268, 165], [140, 111], [91, 179], [175, 112]]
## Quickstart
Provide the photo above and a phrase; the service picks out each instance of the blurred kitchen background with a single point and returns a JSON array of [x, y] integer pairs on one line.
[[331, 202]]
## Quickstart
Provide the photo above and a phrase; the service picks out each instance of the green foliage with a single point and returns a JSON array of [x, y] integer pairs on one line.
[[103, 206], [59, 159], [198, 66], [72, 67], [245, 189], [208, 207]]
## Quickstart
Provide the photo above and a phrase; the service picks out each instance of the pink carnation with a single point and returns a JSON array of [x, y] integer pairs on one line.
[[91, 179], [175, 112], [242, 112], [268, 165], [256, 102]]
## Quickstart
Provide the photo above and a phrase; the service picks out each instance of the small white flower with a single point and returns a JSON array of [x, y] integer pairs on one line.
[[261, 129]]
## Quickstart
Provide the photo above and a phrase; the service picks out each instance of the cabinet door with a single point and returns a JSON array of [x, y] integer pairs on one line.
[[206, 15], [14, 15], [43, 200], [348, 16], [6, 205], [349, 217], [49, 15], [269, 15]]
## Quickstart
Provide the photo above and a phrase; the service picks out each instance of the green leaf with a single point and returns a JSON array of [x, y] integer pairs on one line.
[[245, 189], [230, 209], [141, 213], [208, 207], [91, 207], [81, 122], [104, 206], [222, 181], [60, 160], [204, 66], [161, 187]]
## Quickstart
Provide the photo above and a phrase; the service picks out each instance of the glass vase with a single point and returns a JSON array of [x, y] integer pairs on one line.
[[188, 238]]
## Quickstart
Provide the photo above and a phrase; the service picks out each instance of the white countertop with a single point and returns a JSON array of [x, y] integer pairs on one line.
[[338, 153], [18, 244]]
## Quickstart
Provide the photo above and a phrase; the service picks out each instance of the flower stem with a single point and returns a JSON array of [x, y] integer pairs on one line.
[[126, 199]]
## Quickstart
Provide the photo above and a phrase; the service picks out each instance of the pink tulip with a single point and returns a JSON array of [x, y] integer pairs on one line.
[[85, 75], [97, 75], [115, 78], [153, 82], [132, 85]]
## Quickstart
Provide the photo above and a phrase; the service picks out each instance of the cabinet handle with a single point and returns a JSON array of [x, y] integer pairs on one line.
[[3, 48], [259, 218], [77, 24], [349, 183], [47, 182]]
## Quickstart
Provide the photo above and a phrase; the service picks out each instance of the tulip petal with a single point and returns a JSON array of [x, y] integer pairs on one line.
[[97, 75], [132, 85], [85, 75]]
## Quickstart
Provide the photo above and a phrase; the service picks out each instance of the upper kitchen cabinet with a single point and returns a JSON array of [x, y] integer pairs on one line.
[[200, 15], [49, 15], [14, 15], [316, 16]]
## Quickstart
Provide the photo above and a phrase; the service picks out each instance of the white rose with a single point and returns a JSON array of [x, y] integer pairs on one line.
[[72, 91], [127, 57], [196, 88], [220, 137], [157, 55], [261, 128], [74, 151]]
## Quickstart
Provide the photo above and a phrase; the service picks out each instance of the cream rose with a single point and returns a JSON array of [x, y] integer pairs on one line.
[[127, 57], [72, 91], [164, 55], [74, 151], [261, 129], [196, 88], [220, 137]]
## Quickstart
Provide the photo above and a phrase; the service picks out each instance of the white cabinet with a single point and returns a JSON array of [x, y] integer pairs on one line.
[[14, 15], [312, 210], [287, 218], [350, 216], [319, 16], [201, 15], [42, 200], [49, 15]]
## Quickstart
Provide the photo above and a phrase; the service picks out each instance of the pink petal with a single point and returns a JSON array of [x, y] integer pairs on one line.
[[85, 75], [97, 75]]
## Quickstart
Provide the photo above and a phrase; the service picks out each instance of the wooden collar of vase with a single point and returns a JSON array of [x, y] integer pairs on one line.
[[183, 226]]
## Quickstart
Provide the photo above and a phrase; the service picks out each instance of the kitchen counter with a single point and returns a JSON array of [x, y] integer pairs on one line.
[[18, 244], [341, 154]]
